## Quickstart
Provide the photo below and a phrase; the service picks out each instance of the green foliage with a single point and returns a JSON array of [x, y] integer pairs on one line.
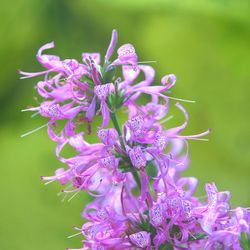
[[166, 246], [108, 76], [151, 169], [245, 241], [197, 237]]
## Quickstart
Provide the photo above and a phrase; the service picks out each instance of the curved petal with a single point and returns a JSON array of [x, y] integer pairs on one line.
[[112, 45], [49, 61], [168, 81]]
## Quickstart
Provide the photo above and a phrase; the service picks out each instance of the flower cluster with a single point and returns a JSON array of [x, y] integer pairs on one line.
[[134, 173]]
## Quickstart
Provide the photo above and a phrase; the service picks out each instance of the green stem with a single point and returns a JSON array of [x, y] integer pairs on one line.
[[115, 122], [116, 125], [137, 178]]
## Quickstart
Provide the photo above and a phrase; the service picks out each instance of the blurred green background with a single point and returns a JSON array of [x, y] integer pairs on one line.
[[205, 43]]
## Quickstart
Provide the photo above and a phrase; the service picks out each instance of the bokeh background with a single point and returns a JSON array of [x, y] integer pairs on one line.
[[205, 43]]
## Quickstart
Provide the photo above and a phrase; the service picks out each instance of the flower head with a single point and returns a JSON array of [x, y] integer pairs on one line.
[[134, 173]]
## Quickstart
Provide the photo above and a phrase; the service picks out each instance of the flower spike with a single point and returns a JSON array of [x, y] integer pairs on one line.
[[134, 174]]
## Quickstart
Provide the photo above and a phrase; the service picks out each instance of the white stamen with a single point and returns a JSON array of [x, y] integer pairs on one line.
[[179, 99], [195, 139], [35, 114], [166, 119], [48, 182], [29, 109], [71, 236], [34, 130], [76, 193], [65, 189], [192, 235], [143, 62], [65, 196]]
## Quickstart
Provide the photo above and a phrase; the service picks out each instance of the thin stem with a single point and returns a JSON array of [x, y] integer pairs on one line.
[[137, 178], [116, 125], [115, 122]]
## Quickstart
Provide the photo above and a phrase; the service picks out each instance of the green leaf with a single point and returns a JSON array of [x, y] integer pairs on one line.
[[151, 169], [125, 169], [108, 76], [166, 246], [198, 236], [245, 241]]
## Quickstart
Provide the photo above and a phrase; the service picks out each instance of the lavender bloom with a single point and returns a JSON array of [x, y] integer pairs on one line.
[[126, 55], [112, 46], [140, 239], [137, 157], [102, 91], [134, 173], [108, 136]]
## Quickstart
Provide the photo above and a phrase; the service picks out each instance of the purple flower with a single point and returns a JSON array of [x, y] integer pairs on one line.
[[243, 219], [223, 240], [137, 157], [102, 91], [108, 136], [140, 199], [126, 55], [156, 215], [140, 239], [112, 46]]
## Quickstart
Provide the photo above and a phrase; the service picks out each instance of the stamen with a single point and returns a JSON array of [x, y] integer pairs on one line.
[[65, 189], [48, 182], [192, 235], [65, 196], [195, 137], [71, 236], [35, 114], [179, 99], [199, 139], [74, 195], [34, 130], [144, 62], [166, 119], [30, 109]]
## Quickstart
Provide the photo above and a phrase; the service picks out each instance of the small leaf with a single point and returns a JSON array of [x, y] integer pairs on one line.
[[166, 246], [151, 169], [109, 75], [198, 236], [245, 241]]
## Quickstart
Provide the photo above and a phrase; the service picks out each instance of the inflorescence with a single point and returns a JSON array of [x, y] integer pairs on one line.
[[140, 199]]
